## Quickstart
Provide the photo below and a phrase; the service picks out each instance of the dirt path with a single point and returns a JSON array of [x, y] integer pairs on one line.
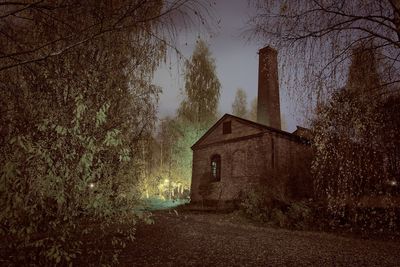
[[217, 240]]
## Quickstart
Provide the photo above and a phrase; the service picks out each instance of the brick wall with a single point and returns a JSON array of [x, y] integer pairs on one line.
[[238, 130], [270, 158]]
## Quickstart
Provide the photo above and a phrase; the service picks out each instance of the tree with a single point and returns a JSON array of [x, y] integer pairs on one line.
[[74, 24], [197, 111], [202, 88], [182, 152], [167, 167], [319, 36], [253, 110], [355, 143], [77, 103], [363, 70], [239, 105], [324, 38]]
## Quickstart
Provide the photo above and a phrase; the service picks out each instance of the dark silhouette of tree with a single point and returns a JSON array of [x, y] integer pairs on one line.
[[356, 147], [35, 31], [363, 70], [318, 37]]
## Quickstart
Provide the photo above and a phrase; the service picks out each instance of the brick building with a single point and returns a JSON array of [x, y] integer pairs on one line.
[[236, 153]]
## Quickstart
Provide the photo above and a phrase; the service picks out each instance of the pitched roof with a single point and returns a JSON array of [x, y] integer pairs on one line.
[[253, 124]]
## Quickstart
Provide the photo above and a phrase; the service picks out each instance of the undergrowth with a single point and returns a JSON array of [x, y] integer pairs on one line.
[[259, 205]]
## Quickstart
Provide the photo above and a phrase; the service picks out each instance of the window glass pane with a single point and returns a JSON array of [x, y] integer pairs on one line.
[[216, 167]]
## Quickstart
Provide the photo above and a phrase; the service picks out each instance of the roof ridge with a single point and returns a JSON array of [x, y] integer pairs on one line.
[[258, 125]]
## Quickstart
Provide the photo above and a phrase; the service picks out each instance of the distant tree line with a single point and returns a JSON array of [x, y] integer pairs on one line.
[[198, 110]]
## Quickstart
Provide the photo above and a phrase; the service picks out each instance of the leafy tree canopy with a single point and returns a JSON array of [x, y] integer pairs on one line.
[[356, 148], [239, 105], [76, 103], [202, 88]]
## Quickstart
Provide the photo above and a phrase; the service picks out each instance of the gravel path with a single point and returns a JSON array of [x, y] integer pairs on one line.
[[218, 240]]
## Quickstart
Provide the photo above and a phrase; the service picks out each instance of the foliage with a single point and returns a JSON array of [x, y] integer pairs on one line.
[[197, 111], [77, 101], [202, 88], [254, 204], [182, 152], [56, 189], [352, 149], [260, 204], [171, 175], [253, 110], [35, 32], [301, 215], [239, 105]]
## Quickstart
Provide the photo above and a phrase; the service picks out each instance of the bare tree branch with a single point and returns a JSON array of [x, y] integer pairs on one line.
[[324, 33], [131, 17]]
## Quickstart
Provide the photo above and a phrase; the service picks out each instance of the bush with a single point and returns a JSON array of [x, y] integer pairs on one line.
[[301, 215], [254, 204], [60, 201], [260, 205]]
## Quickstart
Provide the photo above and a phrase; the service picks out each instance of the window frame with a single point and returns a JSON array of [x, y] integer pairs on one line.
[[215, 166]]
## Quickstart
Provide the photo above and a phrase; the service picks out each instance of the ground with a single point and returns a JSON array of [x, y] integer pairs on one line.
[[207, 239]]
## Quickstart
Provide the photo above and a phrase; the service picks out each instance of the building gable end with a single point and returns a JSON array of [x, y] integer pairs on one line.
[[237, 128]]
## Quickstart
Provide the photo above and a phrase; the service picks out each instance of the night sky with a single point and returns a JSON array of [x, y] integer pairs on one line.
[[236, 61]]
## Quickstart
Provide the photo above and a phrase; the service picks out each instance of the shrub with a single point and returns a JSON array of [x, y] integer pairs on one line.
[[279, 218], [260, 205], [253, 203], [60, 201], [300, 215]]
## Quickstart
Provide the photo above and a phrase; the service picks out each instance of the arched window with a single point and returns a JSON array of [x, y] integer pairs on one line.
[[216, 167]]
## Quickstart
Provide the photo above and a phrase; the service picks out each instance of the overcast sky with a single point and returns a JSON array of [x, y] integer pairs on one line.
[[236, 62]]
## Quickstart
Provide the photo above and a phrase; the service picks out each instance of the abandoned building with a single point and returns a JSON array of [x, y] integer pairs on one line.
[[235, 153]]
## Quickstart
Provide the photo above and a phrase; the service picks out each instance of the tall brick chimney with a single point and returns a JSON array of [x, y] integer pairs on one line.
[[268, 107]]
